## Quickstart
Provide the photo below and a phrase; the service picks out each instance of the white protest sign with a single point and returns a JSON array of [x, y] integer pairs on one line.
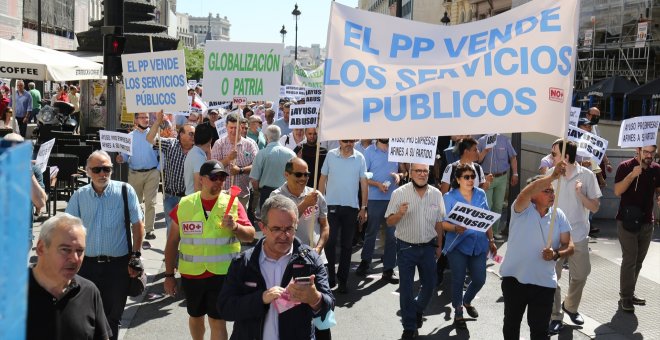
[[639, 131], [303, 116], [491, 140], [311, 78], [221, 127], [236, 69], [313, 96], [472, 217], [239, 101], [192, 83], [296, 92], [112, 141], [510, 73], [43, 155], [574, 116], [412, 150], [218, 104], [155, 81], [588, 143]]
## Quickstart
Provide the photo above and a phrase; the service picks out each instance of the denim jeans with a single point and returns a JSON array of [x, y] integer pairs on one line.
[[376, 211], [423, 258], [459, 263], [169, 202]]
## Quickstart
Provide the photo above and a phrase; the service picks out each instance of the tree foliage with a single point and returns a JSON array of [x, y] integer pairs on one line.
[[194, 63]]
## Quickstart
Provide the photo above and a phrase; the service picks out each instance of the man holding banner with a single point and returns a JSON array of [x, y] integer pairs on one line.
[[636, 182], [528, 272], [579, 194], [416, 210]]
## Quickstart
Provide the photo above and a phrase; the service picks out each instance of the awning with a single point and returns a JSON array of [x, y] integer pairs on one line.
[[21, 60]]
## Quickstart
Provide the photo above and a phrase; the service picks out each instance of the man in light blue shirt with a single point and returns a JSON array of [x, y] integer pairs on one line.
[[283, 122], [343, 170], [100, 205], [22, 106], [528, 272], [267, 172], [200, 153], [143, 174], [384, 181]]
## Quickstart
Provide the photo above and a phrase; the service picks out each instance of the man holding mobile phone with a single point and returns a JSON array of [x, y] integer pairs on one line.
[[279, 274]]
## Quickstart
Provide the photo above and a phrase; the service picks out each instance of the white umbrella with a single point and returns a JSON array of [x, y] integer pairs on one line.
[[21, 60]]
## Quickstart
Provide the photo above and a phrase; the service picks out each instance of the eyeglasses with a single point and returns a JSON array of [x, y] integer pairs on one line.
[[299, 174], [191, 134], [98, 169], [220, 176], [646, 152], [143, 117], [287, 230], [469, 177], [549, 191], [347, 141], [421, 171]]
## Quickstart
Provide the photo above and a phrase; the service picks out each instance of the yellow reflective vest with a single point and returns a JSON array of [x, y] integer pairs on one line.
[[205, 245]]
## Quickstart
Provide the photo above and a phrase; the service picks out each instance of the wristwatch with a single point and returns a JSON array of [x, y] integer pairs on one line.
[[240, 171], [168, 275], [556, 255], [136, 254]]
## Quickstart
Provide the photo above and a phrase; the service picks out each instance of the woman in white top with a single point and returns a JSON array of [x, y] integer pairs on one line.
[[7, 120], [293, 139]]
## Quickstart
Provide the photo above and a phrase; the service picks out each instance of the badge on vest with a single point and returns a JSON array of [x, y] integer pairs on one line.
[[193, 227]]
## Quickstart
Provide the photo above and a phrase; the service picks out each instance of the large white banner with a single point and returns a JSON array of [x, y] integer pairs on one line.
[[304, 116], [419, 150], [155, 81], [308, 78], [112, 141], [639, 131], [238, 69], [389, 77]]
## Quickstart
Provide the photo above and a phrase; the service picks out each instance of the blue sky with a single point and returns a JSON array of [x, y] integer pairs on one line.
[[261, 20]]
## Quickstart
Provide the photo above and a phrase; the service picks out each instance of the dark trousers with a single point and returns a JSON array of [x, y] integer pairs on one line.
[[342, 221], [22, 127], [264, 193], [538, 302], [111, 278]]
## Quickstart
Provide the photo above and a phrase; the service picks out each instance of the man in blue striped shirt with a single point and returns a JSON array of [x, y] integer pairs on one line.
[[100, 205]]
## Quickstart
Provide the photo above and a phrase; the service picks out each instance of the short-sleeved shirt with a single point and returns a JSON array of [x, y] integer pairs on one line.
[[143, 156], [638, 194], [194, 160], [382, 170], [268, 166], [446, 176], [36, 99], [471, 242], [78, 314], [103, 216], [546, 162], [284, 126], [497, 160], [344, 174], [246, 150], [528, 235], [570, 203], [418, 224], [289, 142], [309, 220]]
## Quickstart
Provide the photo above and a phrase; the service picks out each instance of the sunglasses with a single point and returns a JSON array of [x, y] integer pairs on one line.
[[347, 141], [98, 169], [469, 177], [301, 174], [221, 176]]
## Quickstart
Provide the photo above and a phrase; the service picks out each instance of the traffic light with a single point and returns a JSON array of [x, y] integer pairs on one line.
[[113, 47]]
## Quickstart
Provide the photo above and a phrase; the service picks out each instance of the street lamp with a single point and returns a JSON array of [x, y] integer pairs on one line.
[[283, 33], [445, 19], [296, 13]]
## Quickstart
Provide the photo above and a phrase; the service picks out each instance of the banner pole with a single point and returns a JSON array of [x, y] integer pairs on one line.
[[640, 164], [554, 205]]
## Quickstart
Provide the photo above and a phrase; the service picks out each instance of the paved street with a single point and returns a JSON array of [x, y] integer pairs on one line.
[[371, 309]]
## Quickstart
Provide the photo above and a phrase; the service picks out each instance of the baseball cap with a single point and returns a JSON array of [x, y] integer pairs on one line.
[[211, 167]]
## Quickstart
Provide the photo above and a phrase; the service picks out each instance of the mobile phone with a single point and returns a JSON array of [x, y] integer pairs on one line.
[[303, 280]]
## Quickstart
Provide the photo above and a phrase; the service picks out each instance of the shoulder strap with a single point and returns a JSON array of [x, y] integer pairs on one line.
[[127, 218], [477, 170]]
